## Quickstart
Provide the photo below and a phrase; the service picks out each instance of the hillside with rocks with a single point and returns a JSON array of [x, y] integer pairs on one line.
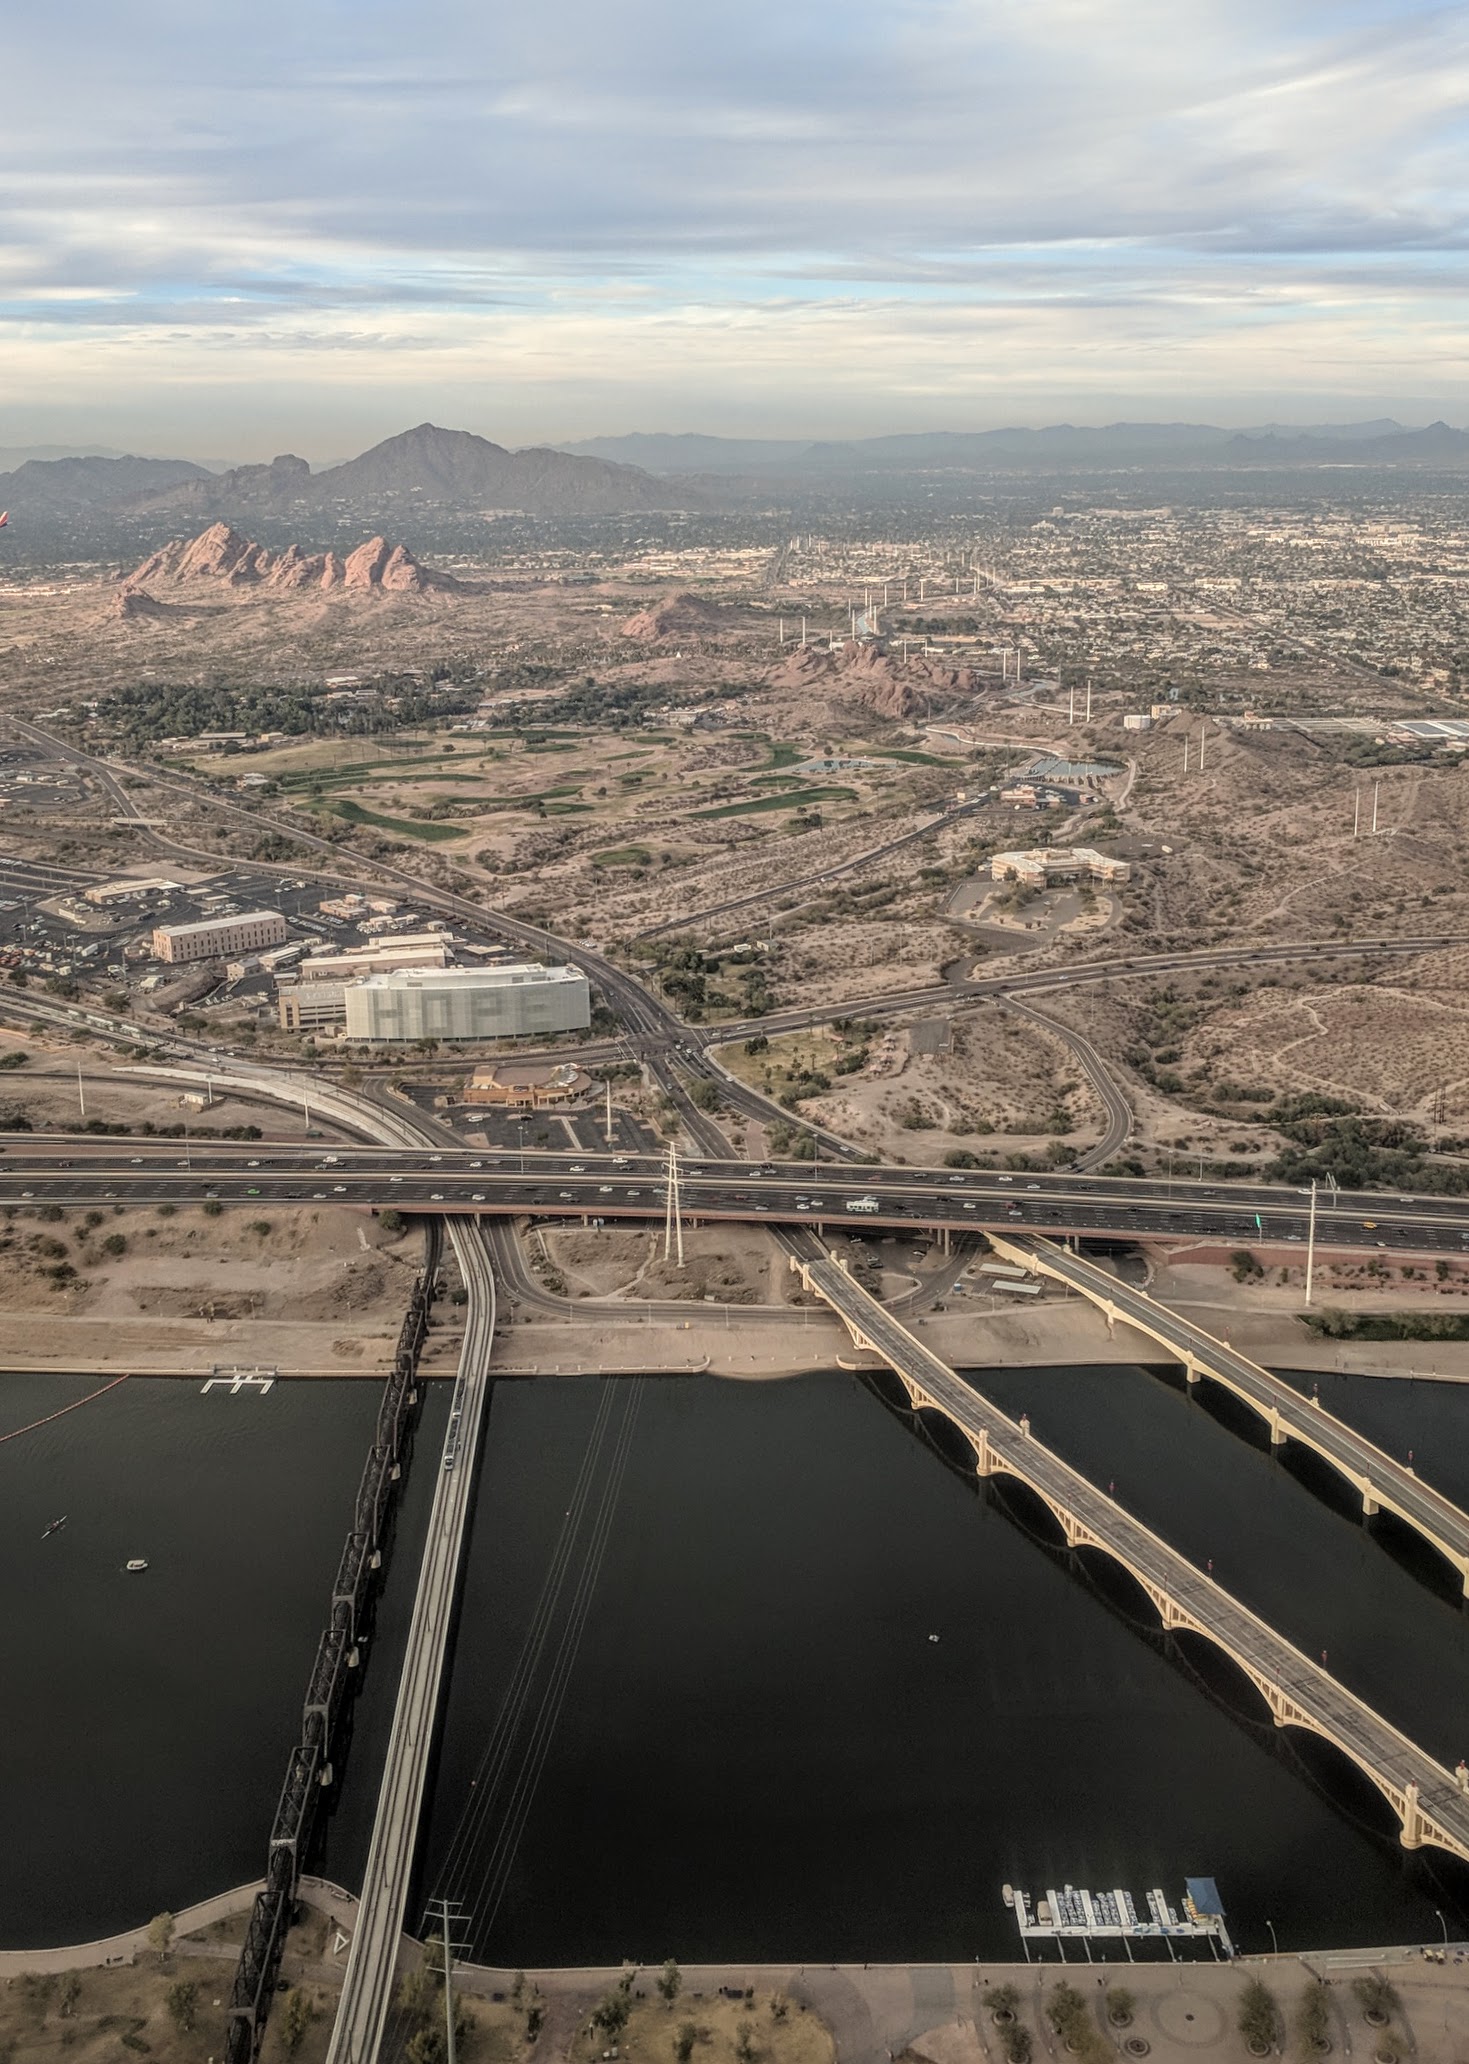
[[683, 616], [221, 555], [892, 687]]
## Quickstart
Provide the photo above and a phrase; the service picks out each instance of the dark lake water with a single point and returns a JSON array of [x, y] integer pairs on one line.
[[146, 1719], [694, 1707]]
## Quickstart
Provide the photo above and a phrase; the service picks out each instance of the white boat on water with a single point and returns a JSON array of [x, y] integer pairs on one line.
[[138, 1562]]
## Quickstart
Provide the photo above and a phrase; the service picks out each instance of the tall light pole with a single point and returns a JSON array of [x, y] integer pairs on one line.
[[1311, 1241], [1273, 1943], [1444, 1925]]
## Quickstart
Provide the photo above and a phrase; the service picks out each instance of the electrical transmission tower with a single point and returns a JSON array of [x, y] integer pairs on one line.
[[672, 1209], [446, 1914]]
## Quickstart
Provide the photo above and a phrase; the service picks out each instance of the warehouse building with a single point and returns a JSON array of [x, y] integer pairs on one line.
[[219, 938], [469, 1003]]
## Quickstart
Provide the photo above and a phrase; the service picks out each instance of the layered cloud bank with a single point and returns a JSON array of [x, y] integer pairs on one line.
[[824, 220]]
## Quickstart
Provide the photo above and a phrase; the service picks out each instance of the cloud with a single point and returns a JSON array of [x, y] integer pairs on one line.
[[1071, 181]]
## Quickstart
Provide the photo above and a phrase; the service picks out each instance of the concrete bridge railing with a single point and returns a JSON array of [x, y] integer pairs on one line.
[[1381, 1482], [1431, 1803]]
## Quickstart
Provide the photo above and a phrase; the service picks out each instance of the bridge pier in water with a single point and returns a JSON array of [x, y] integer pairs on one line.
[[1430, 1804]]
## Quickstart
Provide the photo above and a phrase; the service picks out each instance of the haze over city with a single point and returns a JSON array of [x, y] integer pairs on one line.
[[224, 239]]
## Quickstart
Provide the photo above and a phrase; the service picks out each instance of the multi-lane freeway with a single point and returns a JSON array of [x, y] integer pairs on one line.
[[81, 1169]]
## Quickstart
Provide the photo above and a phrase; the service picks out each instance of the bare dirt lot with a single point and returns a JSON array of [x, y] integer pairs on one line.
[[152, 1289], [993, 1085]]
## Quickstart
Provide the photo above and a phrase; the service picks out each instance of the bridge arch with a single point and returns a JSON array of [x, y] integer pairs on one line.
[[1416, 1826]]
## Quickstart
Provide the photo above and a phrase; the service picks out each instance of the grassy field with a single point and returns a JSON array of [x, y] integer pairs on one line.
[[622, 856], [788, 1059], [793, 799], [400, 827]]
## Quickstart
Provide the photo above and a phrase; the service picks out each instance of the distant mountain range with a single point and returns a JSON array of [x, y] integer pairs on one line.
[[54, 487], [425, 468], [429, 472], [1062, 446]]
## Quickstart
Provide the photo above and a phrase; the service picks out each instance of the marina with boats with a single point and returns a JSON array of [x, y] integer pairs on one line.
[[1076, 1915]]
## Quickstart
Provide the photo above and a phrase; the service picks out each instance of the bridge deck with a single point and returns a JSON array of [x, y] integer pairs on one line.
[[1382, 1481], [1429, 1801]]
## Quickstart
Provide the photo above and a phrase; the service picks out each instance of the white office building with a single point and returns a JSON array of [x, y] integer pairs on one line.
[[468, 1003]]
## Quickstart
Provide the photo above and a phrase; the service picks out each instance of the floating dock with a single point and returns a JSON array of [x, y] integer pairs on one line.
[[1076, 1915]]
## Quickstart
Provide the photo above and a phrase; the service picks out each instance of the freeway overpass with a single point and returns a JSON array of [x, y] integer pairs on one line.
[[1382, 1483], [1431, 1803], [72, 1169]]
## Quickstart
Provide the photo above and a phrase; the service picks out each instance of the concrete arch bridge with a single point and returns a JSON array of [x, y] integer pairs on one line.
[[1381, 1482], [1430, 1803]]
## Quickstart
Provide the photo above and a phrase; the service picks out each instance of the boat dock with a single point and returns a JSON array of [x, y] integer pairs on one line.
[[1076, 1915]]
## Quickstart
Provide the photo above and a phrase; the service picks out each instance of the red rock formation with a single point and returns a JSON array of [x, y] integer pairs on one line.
[[685, 617], [893, 687], [220, 553], [131, 605]]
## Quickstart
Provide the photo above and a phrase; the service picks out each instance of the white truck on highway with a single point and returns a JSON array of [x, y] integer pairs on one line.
[[862, 1204]]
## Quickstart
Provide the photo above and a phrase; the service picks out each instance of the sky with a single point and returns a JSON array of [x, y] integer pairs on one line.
[[230, 232]]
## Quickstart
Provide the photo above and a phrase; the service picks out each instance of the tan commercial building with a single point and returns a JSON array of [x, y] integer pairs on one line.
[[527, 1085], [1045, 864], [220, 938]]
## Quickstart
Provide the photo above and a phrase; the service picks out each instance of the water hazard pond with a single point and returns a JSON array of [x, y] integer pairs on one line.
[[694, 1707]]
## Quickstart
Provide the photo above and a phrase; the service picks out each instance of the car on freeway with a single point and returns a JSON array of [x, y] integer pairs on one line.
[[604, 1189], [253, 1190], [436, 1196], [476, 1196], [578, 1167], [339, 1189]]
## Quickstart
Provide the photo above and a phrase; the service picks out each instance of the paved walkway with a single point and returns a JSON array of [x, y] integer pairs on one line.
[[876, 2012], [125, 1948], [1184, 2011]]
